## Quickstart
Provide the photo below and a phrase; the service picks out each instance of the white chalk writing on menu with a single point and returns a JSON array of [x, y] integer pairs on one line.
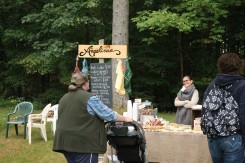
[[101, 82]]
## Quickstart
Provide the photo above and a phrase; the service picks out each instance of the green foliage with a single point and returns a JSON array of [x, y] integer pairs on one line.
[[186, 17], [58, 18], [51, 95], [45, 37], [160, 21], [39, 42], [204, 81], [9, 103], [38, 105], [15, 76]]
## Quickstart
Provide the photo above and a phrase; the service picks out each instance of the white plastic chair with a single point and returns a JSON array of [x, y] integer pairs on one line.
[[54, 118], [38, 121]]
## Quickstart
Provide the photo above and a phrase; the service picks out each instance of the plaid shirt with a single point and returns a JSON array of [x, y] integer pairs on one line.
[[96, 107]]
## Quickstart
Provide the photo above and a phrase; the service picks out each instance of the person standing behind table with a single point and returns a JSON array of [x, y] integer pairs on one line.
[[80, 133], [230, 147], [186, 98]]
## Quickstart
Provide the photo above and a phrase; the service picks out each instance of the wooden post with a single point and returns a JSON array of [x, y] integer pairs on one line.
[[101, 42]]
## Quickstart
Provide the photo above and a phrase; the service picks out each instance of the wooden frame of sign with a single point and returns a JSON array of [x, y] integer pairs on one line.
[[102, 51], [101, 73]]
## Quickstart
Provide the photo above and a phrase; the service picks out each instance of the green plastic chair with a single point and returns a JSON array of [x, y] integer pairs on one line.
[[21, 112]]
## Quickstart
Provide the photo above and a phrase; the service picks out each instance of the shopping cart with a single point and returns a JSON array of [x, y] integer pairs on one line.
[[128, 140]]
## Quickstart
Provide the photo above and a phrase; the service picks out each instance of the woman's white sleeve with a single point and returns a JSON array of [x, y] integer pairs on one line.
[[195, 98]]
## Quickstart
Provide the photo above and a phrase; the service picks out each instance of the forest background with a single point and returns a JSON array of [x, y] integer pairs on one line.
[[167, 39]]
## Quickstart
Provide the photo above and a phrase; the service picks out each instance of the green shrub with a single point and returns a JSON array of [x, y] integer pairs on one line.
[[51, 95]]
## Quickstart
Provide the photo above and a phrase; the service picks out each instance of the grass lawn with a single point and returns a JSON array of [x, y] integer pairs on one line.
[[16, 149], [167, 116]]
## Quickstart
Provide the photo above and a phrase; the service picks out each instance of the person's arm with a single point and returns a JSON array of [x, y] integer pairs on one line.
[[178, 102], [194, 100], [97, 107]]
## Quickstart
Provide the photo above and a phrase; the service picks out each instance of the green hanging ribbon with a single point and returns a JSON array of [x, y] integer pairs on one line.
[[127, 77]]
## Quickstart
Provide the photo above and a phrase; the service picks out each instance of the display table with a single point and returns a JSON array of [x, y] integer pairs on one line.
[[175, 144]]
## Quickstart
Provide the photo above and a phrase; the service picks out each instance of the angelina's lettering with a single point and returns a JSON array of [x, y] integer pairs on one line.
[[92, 52]]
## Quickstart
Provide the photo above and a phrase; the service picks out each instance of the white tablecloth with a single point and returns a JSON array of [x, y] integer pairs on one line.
[[183, 146]]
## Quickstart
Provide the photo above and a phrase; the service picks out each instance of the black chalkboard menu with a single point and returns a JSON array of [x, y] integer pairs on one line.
[[101, 82]]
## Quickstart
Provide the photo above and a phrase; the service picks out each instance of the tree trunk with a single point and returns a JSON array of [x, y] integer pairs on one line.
[[119, 37]]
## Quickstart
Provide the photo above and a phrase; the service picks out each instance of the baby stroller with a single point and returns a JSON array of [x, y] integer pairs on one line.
[[128, 140]]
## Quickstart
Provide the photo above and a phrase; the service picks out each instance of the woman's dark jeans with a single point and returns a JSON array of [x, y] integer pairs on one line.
[[74, 157], [229, 149]]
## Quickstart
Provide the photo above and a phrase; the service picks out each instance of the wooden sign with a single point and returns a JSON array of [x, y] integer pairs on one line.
[[102, 51], [101, 82]]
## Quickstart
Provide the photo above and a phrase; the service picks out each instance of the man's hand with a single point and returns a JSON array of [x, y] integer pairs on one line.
[[124, 118], [128, 119]]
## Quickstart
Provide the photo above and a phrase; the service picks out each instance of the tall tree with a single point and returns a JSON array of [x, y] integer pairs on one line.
[[119, 37], [39, 42], [186, 17], [45, 39]]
